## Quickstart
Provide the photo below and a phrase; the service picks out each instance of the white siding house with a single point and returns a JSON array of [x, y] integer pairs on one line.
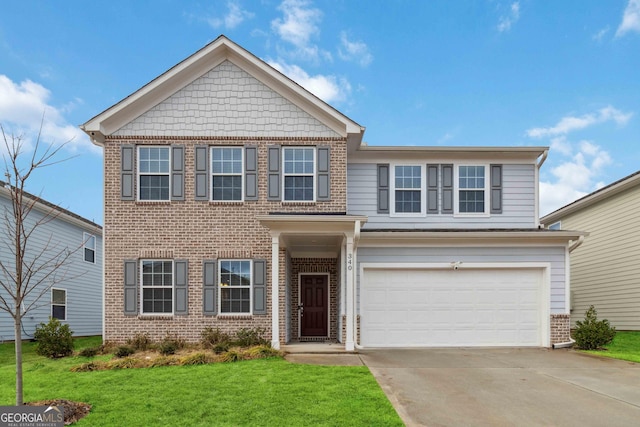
[[76, 301]]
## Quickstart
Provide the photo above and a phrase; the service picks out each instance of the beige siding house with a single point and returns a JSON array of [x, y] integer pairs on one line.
[[605, 269]]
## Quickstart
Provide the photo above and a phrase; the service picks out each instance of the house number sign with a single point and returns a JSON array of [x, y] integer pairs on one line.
[[349, 261]]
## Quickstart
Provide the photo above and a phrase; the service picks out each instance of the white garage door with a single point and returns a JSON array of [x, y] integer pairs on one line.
[[447, 308]]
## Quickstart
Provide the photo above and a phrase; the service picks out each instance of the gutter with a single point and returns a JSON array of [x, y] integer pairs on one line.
[[542, 160], [576, 244]]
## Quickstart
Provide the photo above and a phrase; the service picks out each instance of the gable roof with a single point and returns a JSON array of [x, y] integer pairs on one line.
[[205, 59], [603, 193]]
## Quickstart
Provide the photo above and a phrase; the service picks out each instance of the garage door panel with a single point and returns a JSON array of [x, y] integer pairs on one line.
[[480, 307]]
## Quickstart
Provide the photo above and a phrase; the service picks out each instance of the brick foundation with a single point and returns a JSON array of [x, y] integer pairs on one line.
[[560, 328]]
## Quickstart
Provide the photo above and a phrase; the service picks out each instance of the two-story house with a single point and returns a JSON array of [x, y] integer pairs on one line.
[[234, 198], [75, 298]]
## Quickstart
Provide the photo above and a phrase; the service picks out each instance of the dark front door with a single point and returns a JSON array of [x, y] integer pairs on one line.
[[314, 292]]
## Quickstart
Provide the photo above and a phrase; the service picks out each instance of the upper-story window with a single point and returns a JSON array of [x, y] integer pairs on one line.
[[472, 189], [89, 247], [227, 173], [299, 173], [235, 286], [408, 189], [157, 286], [154, 174], [556, 226]]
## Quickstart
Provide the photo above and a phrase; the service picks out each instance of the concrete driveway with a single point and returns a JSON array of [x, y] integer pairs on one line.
[[507, 387]]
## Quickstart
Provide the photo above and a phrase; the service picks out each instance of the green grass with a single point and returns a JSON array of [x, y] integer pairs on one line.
[[257, 392], [625, 346]]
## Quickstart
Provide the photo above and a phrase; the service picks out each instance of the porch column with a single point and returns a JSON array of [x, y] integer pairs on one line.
[[349, 345], [275, 293]]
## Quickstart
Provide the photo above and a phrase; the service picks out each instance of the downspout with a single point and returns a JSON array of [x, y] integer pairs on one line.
[[545, 154], [571, 342]]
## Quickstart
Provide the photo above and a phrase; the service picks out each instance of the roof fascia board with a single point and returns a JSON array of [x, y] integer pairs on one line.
[[470, 238], [367, 154], [591, 199]]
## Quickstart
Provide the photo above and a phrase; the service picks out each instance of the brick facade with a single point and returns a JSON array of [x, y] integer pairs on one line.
[[560, 328], [195, 231]]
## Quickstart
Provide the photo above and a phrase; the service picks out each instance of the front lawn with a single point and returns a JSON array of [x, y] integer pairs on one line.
[[625, 346], [256, 392]]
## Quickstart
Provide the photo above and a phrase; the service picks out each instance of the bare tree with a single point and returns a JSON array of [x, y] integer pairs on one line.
[[30, 270]]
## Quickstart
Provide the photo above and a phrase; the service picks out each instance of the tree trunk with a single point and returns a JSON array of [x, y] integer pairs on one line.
[[18, 345]]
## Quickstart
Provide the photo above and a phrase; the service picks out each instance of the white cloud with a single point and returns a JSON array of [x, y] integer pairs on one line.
[[600, 34], [630, 19], [561, 145], [356, 51], [572, 123], [329, 88], [300, 22], [234, 17], [506, 21], [24, 107], [575, 177]]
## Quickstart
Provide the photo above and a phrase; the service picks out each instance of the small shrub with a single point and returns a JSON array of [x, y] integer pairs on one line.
[[123, 351], [87, 367], [247, 337], [167, 347], [90, 351], [54, 339], [263, 352], [232, 355], [140, 342], [163, 361], [211, 337], [592, 334], [221, 347], [125, 363], [195, 359]]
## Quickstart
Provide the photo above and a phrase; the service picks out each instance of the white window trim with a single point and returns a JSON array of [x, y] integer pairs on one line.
[[314, 174], [85, 238], [456, 191], [241, 174], [219, 302], [65, 303], [392, 192], [555, 226], [139, 174], [173, 287]]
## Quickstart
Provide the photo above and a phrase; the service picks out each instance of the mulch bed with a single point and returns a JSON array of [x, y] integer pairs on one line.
[[73, 411]]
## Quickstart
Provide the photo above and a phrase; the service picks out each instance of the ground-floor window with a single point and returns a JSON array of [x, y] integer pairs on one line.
[[235, 286], [157, 286], [59, 304]]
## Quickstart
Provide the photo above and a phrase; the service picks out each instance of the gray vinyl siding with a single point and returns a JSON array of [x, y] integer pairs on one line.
[[83, 284], [555, 256], [518, 202], [605, 270]]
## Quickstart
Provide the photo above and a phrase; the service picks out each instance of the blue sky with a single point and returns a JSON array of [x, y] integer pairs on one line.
[[564, 74]]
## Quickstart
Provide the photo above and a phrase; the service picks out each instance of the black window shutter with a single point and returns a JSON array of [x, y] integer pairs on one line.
[[432, 189], [496, 189], [323, 169], [127, 172], [383, 189], [273, 173], [177, 172], [180, 286], [251, 172], [201, 172], [259, 286], [447, 189], [131, 287], [209, 287]]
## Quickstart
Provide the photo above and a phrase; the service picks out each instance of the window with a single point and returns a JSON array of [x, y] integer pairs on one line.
[[157, 286], [89, 247], [408, 189], [59, 304], [556, 226], [153, 173], [299, 174], [235, 286], [226, 167], [472, 189]]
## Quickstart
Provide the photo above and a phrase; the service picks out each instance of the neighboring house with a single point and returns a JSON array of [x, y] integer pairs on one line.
[[606, 267], [234, 198], [76, 300]]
